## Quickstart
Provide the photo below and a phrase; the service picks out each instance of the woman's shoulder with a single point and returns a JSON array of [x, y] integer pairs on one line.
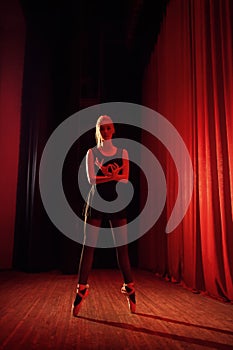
[[92, 150], [124, 151], [90, 153]]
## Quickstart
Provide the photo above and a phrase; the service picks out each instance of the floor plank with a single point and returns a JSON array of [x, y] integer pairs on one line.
[[35, 313]]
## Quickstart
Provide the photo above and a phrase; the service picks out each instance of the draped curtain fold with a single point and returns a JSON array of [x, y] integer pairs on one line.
[[189, 80]]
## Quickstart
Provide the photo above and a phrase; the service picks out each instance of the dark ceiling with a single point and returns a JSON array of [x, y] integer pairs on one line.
[[136, 23], [108, 39]]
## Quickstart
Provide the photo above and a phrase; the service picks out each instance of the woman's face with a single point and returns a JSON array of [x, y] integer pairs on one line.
[[106, 131]]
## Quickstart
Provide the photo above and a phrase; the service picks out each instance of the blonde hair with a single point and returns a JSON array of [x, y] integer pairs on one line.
[[103, 119]]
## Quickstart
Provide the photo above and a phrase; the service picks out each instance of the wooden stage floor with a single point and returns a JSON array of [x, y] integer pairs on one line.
[[35, 313]]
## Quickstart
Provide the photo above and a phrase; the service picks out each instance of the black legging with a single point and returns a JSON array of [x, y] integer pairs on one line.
[[87, 255]]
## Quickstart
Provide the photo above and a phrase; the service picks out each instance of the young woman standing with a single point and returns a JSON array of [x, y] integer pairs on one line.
[[105, 166]]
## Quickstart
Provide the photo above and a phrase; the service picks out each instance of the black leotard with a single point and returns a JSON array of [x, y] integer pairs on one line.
[[106, 190]]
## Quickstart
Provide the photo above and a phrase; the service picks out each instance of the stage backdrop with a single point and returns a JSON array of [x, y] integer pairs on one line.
[[189, 80]]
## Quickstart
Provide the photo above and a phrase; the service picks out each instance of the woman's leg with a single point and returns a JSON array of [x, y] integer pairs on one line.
[[85, 263], [86, 259], [120, 236], [119, 228]]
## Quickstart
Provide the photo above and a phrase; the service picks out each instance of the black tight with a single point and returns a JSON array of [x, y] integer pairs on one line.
[[124, 264], [87, 255]]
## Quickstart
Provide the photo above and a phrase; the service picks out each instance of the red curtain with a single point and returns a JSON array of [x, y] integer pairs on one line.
[[189, 80], [12, 45]]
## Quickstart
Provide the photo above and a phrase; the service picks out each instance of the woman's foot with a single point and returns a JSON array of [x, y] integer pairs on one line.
[[82, 292], [129, 291]]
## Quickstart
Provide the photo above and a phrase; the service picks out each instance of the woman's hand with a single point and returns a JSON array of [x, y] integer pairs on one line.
[[115, 169], [104, 169], [110, 170]]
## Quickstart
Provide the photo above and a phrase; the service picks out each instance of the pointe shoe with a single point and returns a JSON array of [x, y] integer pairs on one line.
[[82, 293], [129, 291]]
